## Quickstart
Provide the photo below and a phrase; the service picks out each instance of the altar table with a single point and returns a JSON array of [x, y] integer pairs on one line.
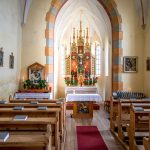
[[83, 104], [83, 97], [81, 90]]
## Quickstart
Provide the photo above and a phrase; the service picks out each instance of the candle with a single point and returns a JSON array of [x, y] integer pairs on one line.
[[73, 91], [23, 79], [47, 79], [92, 78]]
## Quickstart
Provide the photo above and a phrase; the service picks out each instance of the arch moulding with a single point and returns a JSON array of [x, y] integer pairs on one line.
[[117, 37]]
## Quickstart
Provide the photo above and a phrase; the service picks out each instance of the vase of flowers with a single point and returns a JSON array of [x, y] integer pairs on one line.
[[67, 81], [95, 79]]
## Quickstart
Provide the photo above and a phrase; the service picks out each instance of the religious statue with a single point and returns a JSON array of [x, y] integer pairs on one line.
[[80, 79]]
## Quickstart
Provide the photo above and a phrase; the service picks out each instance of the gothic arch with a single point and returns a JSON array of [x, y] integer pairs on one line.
[[117, 36]]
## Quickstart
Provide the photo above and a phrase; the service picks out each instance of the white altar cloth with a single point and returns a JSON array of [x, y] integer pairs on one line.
[[32, 95], [81, 90], [83, 97]]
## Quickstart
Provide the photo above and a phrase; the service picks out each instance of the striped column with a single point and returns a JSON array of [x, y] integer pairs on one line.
[[117, 37], [49, 35]]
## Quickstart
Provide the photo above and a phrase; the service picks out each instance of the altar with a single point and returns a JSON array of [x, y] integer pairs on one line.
[[81, 90], [81, 75], [82, 99]]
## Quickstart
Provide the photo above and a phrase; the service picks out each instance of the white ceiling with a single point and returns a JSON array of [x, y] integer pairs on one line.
[[92, 15]]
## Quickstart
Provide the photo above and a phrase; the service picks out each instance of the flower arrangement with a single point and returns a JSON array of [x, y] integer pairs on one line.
[[87, 81], [74, 81], [95, 79], [29, 84], [67, 80]]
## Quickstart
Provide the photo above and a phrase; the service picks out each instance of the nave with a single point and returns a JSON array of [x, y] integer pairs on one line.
[[100, 119]]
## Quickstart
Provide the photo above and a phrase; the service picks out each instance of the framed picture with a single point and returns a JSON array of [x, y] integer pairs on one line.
[[1, 57], [36, 72], [148, 64], [11, 61], [130, 64]]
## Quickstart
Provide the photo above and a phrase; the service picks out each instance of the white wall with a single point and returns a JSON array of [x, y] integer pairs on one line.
[[33, 46], [10, 40], [133, 43], [146, 51]]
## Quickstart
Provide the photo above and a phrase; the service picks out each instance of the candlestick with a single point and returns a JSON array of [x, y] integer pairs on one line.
[[23, 79]]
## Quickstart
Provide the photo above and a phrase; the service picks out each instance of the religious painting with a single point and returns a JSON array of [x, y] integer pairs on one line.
[[11, 61], [130, 64], [148, 64], [1, 57], [36, 72], [83, 107]]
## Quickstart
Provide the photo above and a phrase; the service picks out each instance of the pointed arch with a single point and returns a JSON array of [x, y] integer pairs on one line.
[[117, 37]]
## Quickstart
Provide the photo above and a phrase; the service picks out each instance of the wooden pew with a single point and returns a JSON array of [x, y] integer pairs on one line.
[[29, 100], [139, 124], [123, 116], [26, 141], [59, 103], [23, 135], [113, 114], [33, 112], [146, 141]]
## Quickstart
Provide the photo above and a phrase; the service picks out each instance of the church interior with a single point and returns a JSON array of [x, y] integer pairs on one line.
[[74, 74]]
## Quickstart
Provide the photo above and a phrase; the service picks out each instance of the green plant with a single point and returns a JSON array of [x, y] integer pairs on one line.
[[67, 80], [42, 84], [28, 84], [87, 81]]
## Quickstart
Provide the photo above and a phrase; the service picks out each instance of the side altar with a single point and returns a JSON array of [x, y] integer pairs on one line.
[[35, 86]]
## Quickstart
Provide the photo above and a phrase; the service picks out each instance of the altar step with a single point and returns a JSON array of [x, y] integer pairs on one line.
[[69, 106]]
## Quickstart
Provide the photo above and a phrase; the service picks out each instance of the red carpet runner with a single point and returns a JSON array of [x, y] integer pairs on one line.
[[89, 138]]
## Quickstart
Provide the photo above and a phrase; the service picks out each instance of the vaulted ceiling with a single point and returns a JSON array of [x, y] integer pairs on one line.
[[92, 15], [142, 10], [141, 6]]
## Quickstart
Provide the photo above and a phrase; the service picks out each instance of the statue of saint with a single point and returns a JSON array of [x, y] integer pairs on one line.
[[80, 79]]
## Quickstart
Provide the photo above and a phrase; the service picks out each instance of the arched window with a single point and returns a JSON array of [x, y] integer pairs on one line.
[[63, 55], [98, 59]]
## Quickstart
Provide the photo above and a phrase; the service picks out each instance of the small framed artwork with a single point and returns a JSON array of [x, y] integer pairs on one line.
[[1, 57], [11, 61], [36, 72], [130, 64], [148, 64]]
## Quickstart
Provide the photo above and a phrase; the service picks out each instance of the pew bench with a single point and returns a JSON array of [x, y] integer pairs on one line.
[[26, 141], [49, 105], [146, 140], [33, 112], [123, 116], [139, 124]]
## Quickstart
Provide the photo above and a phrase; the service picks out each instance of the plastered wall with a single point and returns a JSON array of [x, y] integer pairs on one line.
[[10, 40], [146, 51], [133, 43], [33, 45]]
